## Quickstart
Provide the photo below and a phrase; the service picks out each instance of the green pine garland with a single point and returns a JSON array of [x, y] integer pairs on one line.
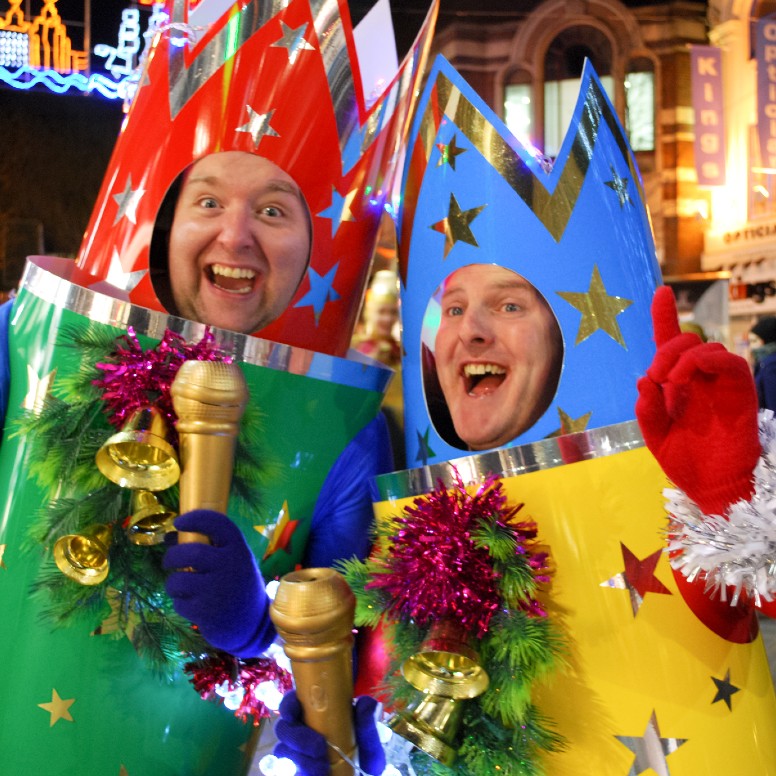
[[63, 439], [503, 731]]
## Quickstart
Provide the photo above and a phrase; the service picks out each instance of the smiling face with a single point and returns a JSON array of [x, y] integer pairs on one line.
[[239, 243], [498, 354]]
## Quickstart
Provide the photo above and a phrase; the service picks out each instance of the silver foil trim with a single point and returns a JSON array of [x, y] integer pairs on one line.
[[511, 461], [47, 278], [184, 81]]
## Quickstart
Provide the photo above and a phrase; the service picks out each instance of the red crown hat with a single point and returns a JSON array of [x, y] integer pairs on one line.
[[281, 80]]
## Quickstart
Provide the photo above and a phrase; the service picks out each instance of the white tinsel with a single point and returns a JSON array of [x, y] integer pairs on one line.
[[738, 549]]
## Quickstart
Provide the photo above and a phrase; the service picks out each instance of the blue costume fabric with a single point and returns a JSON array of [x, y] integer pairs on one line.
[[765, 380]]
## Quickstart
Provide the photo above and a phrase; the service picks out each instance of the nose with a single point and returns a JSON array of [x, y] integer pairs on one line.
[[475, 328], [236, 231]]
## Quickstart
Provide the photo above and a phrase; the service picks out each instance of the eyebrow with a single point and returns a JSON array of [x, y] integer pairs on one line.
[[499, 285], [272, 185]]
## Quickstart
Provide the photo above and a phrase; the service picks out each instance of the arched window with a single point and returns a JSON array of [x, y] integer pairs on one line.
[[640, 104], [563, 64], [518, 107], [758, 10]]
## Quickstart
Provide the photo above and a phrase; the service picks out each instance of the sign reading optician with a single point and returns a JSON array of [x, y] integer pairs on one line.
[[766, 90], [706, 64]]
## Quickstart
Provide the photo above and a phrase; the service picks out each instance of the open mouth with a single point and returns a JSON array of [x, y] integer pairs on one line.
[[482, 379], [236, 280]]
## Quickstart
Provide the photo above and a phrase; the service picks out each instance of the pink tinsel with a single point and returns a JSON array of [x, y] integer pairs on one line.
[[435, 571], [217, 668], [135, 379]]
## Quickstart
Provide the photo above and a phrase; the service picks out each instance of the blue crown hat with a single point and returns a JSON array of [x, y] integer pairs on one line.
[[578, 232]]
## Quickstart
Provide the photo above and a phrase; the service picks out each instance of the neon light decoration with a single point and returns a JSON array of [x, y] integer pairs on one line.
[[38, 52]]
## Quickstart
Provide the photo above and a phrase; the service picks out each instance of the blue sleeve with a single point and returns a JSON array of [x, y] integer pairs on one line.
[[343, 513], [5, 368], [768, 385]]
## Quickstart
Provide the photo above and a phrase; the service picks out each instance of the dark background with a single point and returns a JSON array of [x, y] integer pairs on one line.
[[56, 148]]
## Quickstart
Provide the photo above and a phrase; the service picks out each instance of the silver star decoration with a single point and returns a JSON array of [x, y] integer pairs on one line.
[[37, 388], [651, 749], [118, 278], [293, 41], [619, 185], [128, 201], [258, 126]]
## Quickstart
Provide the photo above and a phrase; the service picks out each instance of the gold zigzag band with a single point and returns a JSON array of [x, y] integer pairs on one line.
[[552, 209]]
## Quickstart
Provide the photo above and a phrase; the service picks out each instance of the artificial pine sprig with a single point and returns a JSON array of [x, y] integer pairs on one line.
[[469, 557], [64, 436]]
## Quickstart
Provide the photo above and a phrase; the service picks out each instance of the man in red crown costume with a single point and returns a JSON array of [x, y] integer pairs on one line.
[[245, 193]]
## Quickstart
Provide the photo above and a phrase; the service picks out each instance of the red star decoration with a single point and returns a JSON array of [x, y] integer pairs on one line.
[[640, 574]]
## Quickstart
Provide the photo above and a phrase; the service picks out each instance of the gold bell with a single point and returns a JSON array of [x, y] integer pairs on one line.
[[139, 456], [149, 521], [84, 557], [446, 672]]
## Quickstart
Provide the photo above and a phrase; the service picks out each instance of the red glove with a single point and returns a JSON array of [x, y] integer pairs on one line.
[[697, 409]]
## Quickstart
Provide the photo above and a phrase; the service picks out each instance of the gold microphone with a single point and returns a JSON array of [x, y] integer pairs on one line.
[[209, 398], [313, 613]]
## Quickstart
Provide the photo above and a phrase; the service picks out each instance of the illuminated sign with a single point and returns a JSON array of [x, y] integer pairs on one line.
[[38, 52], [765, 52], [706, 63]]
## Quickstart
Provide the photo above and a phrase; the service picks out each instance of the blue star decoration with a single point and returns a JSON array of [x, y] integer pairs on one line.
[[321, 291], [424, 448], [619, 185], [338, 211], [725, 690], [651, 749]]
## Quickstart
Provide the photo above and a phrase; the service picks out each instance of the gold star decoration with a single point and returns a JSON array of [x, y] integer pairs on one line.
[[123, 771], [619, 185], [638, 578], [599, 309], [37, 389], [118, 620], [128, 201], [258, 126], [118, 278], [569, 425], [448, 153], [58, 708], [456, 225], [651, 749], [293, 41], [2, 553]]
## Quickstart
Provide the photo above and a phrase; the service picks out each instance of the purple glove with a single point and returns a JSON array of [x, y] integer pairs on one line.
[[224, 594], [308, 749]]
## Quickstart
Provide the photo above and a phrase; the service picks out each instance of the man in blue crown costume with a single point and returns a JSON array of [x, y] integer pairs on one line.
[[264, 240], [664, 669]]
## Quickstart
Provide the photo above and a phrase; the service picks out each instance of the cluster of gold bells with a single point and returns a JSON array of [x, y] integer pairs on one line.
[[209, 398], [446, 673]]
